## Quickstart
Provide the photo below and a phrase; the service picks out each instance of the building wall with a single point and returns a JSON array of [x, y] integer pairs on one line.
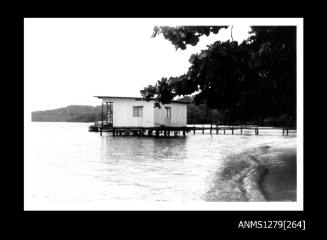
[[178, 115], [152, 117], [123, 113]]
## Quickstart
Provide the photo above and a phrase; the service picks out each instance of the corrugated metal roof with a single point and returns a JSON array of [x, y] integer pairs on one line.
[[136, 98]]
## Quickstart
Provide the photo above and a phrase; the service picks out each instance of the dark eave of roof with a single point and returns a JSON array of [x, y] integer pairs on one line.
[[137, 98]]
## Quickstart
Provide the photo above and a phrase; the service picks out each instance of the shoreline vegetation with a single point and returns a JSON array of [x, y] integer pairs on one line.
[[196, 114], [265, 173]]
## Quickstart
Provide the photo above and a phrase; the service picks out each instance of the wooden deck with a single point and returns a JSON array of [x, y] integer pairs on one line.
[[166, 131]]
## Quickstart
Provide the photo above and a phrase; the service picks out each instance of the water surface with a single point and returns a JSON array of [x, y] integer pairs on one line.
[[65, 162]]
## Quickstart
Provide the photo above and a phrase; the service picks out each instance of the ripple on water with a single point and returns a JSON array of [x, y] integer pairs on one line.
[[75, 164]]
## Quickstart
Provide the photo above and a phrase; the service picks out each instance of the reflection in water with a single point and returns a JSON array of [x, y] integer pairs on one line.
[[144, 167], [141, 148]]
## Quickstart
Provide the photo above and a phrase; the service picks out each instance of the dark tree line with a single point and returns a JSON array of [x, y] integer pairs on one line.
[[196, 114], [254, 81]]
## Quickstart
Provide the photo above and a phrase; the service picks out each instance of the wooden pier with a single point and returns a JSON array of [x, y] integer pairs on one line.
[[165, 131], [147, 131], [287, 130]]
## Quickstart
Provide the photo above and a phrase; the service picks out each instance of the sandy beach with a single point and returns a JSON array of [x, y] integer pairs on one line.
[[265, 173]]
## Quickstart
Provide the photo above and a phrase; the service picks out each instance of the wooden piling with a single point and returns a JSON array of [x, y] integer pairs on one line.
[[172, 131], [102, 114]]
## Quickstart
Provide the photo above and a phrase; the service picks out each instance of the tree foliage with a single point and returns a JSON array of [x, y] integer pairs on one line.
[[254, 80], [181, 36]]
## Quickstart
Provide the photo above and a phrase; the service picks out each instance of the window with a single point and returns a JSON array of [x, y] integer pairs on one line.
[[138, 111], [168, 112]]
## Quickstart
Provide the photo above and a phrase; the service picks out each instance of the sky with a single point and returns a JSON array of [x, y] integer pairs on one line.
[[68, 61]]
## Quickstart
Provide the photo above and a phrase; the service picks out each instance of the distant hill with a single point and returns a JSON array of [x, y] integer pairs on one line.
[[73, 113], [196, 114]]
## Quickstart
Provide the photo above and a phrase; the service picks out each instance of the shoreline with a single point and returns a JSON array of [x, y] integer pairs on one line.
[[263, 173], [278, 183]]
